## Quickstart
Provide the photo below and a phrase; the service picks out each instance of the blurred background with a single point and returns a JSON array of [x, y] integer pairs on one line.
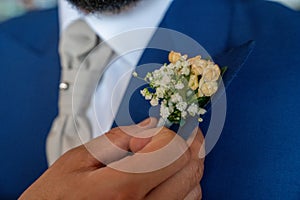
[[12, 8]]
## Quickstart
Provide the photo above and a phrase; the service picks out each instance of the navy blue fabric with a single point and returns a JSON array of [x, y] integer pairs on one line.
[[257, 155], [28, 84]]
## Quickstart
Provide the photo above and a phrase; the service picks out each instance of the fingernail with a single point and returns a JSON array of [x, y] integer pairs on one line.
[[202, 151], [145, 122], [150, 122]]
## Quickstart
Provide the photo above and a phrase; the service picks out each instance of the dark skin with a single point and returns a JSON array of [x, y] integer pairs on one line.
[[79, 175]]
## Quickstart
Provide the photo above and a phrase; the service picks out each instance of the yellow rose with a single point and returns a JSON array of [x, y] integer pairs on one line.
[[174, 56], [193, 82], [211, 73], [194, 60], [197, 65], [200, 93], [209, 88]]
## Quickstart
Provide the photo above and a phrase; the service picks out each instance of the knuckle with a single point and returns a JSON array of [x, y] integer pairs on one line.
[[119, 131], [195, 194], [114, 131], [197, 170], [186, 156], [74, 152], [70, 157]]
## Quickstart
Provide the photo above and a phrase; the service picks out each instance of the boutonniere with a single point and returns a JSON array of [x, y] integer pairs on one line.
[[182, 88]]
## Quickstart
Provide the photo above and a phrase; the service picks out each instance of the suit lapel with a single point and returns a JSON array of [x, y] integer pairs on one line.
[[133, 107]]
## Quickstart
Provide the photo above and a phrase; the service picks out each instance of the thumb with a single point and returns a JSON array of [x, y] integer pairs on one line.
[[115, 144], [166, 154], [142, 138]]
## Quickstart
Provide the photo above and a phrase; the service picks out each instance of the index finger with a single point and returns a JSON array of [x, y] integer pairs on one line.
[[112, 146], [165, 155], [116, 143]]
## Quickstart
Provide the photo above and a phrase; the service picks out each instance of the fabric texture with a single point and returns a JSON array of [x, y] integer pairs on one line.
[[257, 154], [109, 28], [83, 60]]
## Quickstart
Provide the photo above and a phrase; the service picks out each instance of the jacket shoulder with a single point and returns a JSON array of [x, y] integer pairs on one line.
[[33, 30]]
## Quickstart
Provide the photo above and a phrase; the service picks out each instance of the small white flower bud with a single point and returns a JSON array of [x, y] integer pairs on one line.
[[154, 102], [181, 106], [134, 74], [183, 114], [201, 111], [193, 109]]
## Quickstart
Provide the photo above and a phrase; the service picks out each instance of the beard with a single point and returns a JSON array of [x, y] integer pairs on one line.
[[103, 6]]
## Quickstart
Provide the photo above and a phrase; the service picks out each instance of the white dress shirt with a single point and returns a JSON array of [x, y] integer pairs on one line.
[[146, 15]]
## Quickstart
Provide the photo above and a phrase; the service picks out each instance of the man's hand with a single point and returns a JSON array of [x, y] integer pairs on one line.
[[103, 170]]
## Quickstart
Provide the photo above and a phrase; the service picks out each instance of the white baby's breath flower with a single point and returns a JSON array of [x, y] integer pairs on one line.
[[148, 96], [179, 85], [185, 71], [177, 65], [176, 98], [149, 77], [156, 74], [160, 91], [193, 109], [164, 111], [201, 111], [181, 106], [134, 74], [176, 84], [184, 57], [183, 114], [154, 101], [145, 92], [165, 80], [167, 70], [185, 64], [171, 66], [171, 108]]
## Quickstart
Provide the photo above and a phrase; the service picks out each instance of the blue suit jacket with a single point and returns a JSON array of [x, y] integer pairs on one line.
[[257, 155]]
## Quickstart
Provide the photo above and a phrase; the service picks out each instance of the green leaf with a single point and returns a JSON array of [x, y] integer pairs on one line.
[[175, 117], [223, 70], [203, 101]]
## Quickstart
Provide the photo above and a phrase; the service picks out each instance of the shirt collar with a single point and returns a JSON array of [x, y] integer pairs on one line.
[[146, 14]]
